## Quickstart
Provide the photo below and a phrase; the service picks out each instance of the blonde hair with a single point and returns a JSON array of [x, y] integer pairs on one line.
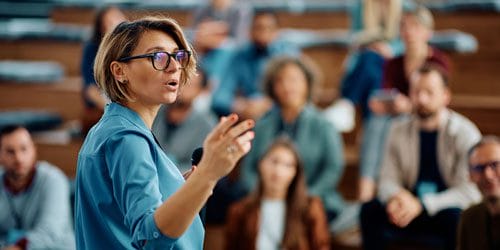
[[122, 41], [422, 15]]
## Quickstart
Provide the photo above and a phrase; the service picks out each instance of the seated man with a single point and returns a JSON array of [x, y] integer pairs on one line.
[[393, 99], [480, 224], [34, 197], [424, 181], [181, 127], [239, 89]]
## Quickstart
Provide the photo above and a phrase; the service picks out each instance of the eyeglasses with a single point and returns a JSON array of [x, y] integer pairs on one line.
[[480, 168], [161, 59]]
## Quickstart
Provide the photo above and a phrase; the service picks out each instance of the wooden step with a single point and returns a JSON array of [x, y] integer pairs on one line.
[[63, 155], [67, 53], [484, 111], [62, 97]]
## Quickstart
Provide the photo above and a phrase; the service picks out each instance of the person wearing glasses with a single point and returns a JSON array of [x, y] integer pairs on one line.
[[424, 182], [479, 226], [129, 195]]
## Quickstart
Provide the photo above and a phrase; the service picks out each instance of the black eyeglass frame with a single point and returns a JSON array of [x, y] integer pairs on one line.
[[152, 56], [480, 168]]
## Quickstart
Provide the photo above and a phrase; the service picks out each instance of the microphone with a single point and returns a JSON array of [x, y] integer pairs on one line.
[[196, 156]]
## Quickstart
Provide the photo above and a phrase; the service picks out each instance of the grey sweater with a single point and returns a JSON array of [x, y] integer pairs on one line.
[[42, 213]]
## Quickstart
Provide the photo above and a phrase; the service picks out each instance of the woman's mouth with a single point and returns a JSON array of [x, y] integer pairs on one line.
[[172, 85]]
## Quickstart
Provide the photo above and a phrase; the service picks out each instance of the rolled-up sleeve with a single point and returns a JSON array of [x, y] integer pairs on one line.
[[134, 177]]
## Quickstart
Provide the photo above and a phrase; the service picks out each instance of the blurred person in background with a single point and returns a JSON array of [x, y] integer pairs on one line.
[[181, 127], [279, 214], [393, 99], [239, 91], [424, 182], [375, 24], [34, 197], [288, 81], [105, 21], [220, 27], [479, 226]]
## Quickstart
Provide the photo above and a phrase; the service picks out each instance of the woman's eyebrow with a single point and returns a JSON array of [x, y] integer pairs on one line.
[[159, 48]]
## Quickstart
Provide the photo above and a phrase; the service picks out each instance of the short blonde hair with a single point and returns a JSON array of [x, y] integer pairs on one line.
[[422, 14], [123, 40]]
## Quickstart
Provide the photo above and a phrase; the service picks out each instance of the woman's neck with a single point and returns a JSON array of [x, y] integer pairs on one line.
[[146, 112], [274, 194], [417, 52], [290, 114]]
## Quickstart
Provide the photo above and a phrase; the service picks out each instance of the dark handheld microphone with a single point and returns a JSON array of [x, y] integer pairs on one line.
[[195, 159], [196, 156]]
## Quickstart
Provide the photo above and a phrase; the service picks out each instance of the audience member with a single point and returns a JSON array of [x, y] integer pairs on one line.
[[393, 100], [105, 21], [288, 82], [376, 24], [34, 197], [479, 226], [221, 21], [279, 214], [424, 180], [239, 90], [180, 127]]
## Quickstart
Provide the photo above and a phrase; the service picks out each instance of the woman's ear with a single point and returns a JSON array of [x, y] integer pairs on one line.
[[118, 71]]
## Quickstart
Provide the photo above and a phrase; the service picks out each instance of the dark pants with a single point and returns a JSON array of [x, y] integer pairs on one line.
[[365, 77], [437, 231]]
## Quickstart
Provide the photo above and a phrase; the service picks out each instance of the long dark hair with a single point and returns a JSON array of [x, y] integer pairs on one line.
[[296, 198], [98, 32]]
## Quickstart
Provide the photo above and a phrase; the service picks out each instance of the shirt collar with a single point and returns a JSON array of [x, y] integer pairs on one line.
[[117, 109]]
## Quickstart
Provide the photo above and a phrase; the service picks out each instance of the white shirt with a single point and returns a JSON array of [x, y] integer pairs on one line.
[[271, 224]]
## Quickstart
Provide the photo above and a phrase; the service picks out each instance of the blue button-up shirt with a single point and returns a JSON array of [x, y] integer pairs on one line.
[[122, 177]]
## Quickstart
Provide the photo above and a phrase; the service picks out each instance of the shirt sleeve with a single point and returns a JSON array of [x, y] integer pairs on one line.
[[390, 174], [224, 95], [134, 176], [333, 167]]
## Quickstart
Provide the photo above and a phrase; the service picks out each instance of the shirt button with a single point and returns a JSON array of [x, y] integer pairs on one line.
[[156, 235]]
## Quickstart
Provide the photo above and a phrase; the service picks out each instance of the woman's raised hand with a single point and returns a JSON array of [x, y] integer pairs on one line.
[[225, 145]]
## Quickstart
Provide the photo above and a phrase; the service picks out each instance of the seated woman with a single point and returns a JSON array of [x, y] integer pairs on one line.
[[289, 82], [279, 214], [106, 20]]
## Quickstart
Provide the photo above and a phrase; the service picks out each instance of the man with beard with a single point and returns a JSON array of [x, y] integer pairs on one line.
[[239, 90], [35, 211], [424, 182], [480, 224]]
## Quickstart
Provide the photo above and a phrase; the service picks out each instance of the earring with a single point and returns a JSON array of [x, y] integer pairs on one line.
[[124, 81]]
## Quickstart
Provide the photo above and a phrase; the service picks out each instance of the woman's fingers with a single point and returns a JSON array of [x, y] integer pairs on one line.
[[225, 123], [239, 129], [244, 141]]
